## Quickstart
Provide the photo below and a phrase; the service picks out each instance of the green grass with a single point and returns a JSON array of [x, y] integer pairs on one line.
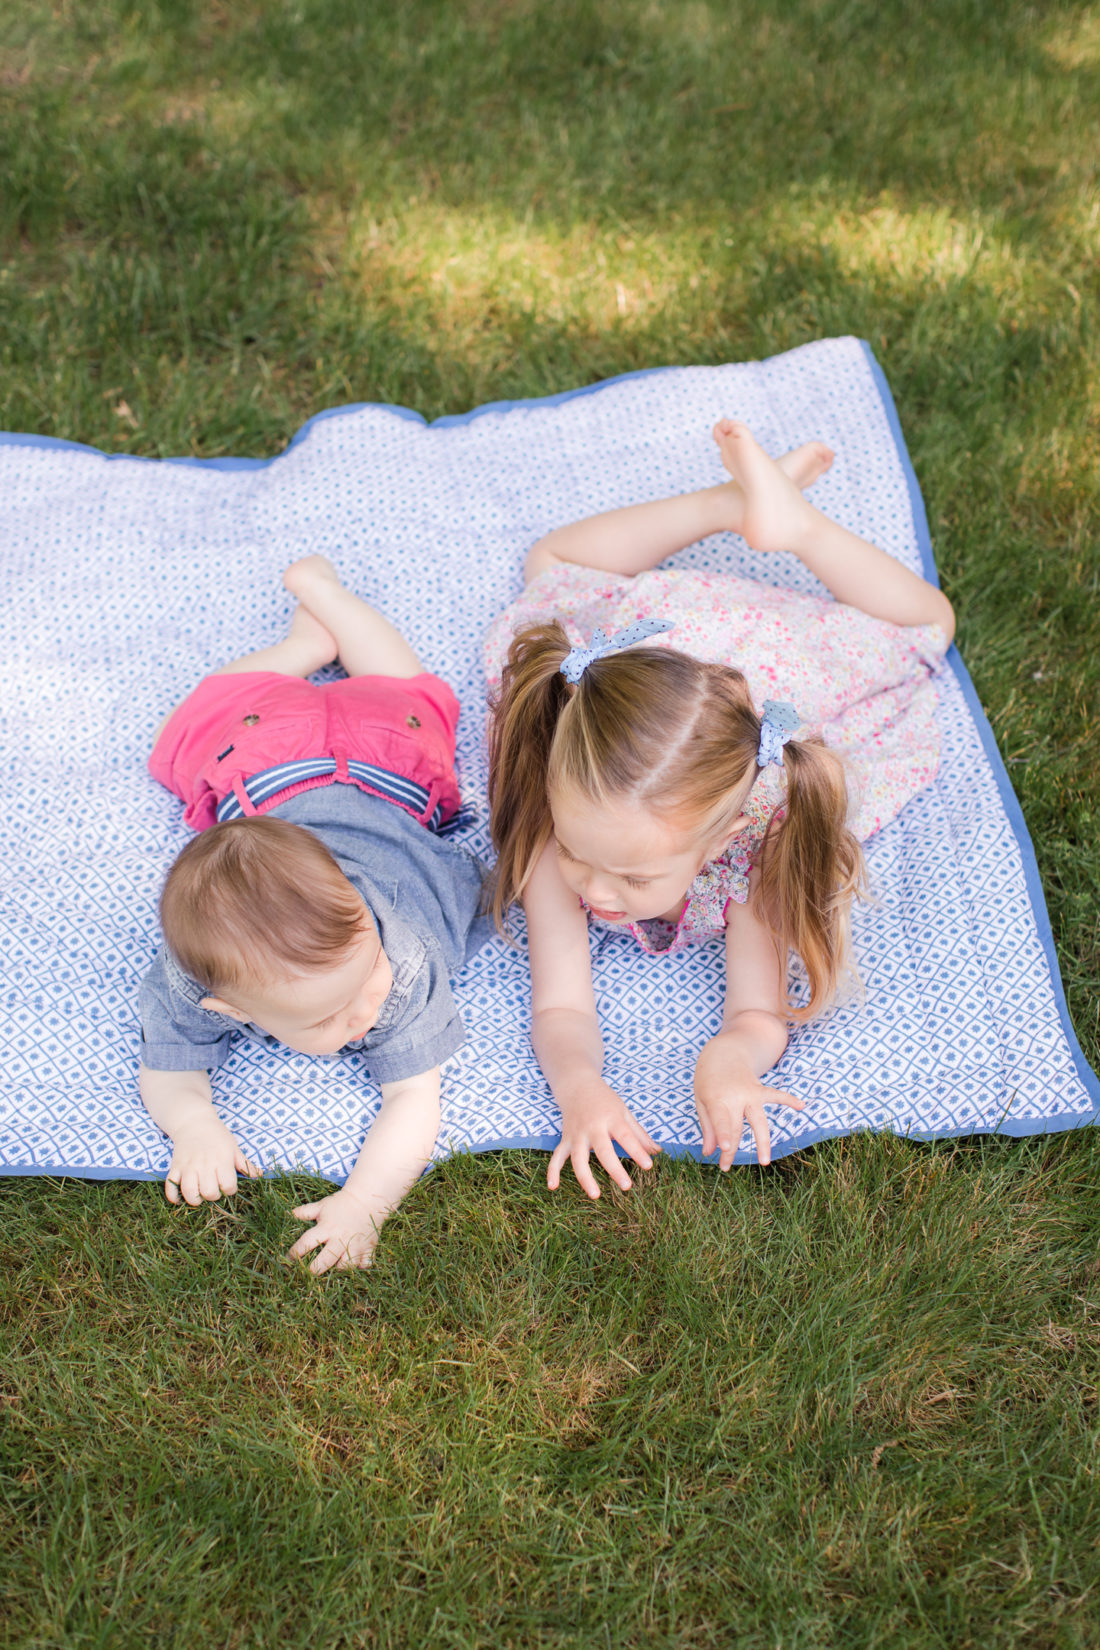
[[852, 1400]]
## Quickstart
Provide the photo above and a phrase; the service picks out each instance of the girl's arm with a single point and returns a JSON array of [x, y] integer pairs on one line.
[[728, 1090], [394, 1155], [565, 1032]]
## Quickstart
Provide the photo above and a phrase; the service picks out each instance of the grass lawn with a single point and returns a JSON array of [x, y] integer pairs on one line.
[[851, 1400]]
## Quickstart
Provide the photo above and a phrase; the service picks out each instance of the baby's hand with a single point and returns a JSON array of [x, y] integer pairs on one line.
[[724, 1108], [206, 1161], [345, 1232], [591, 1121]]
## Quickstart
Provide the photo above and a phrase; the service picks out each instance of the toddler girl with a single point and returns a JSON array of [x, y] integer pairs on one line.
[[317, 908], [673, 791]]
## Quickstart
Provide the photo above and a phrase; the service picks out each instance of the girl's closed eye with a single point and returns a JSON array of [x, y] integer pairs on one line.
[[637, 882]]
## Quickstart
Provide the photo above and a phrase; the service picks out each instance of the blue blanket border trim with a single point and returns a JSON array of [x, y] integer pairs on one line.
[[1017, 1127]]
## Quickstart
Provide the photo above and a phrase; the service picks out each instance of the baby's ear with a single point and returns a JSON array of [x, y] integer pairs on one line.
[[218, 1005]]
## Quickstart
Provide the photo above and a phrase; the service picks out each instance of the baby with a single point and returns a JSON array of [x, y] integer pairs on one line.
[[317, 908]]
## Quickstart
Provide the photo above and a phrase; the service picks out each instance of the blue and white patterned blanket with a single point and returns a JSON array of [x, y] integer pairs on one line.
[[125, 580]]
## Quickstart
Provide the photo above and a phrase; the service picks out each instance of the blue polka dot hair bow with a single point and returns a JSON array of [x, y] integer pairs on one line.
[[777, 725], [578, 659]]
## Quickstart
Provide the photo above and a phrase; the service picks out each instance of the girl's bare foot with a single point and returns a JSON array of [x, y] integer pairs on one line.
[[806, 464], [774, 515]]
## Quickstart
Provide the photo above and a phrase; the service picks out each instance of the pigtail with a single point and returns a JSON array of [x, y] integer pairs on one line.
[[810, 871], [523, 716]]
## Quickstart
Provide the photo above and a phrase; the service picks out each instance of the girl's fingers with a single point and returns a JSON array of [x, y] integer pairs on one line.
[[761, 1133], [227, 1182], [245, 1165], [786, 1099], [583, 1172], [306, 1211], [553, 1172], [172, 1189], [613, 1164]]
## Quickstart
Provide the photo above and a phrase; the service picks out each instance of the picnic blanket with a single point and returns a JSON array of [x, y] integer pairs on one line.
[[125, 580]]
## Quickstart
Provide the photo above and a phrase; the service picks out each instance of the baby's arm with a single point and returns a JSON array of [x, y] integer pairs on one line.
[[394, 1154], [206, 1159], [565, 1032], [753, 1036]]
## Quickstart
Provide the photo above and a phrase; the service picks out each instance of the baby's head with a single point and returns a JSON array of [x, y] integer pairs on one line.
[[640, 772], [260, 914]]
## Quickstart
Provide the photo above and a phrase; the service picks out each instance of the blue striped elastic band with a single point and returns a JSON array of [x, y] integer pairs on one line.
[[394, 786]]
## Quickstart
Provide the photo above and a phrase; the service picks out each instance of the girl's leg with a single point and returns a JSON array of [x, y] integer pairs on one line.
[[775, 516], [366, 643], [641, 535]]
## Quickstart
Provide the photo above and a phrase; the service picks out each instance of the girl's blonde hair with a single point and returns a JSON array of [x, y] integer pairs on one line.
[[677, 737], [254, 900]]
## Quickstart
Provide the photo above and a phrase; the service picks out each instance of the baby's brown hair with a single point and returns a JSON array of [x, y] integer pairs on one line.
[[255, 899], [679, 738]]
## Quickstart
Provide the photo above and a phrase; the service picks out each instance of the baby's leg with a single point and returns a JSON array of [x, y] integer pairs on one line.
[[367, 644], [306, 647], [775, 516], [641, 535]]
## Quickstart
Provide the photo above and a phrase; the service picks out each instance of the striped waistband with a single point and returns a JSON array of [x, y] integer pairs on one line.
[[262, 787]]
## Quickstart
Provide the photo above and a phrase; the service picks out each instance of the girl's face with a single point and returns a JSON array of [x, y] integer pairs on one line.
[[625, 864]]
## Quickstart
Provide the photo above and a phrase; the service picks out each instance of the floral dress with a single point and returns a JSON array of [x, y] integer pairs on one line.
[[862, 683]]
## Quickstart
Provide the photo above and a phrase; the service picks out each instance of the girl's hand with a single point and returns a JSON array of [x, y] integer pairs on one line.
[[345, 1232], [592, 1122], [724, 1107]]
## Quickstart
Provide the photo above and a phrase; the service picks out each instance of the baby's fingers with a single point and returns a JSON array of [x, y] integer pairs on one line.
[[313, 1239], [191, 1187], [245, 1165], [306, 1211], [334, 1253]]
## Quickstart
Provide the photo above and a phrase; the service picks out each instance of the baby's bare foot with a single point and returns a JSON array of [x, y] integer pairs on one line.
[[806, 464], [300, 575], [774, 515]]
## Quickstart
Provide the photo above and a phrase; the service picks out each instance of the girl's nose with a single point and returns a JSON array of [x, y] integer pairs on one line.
[[595, 893]]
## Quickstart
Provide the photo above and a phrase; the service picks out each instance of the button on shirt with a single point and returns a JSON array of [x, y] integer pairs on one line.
[[423, 892]]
